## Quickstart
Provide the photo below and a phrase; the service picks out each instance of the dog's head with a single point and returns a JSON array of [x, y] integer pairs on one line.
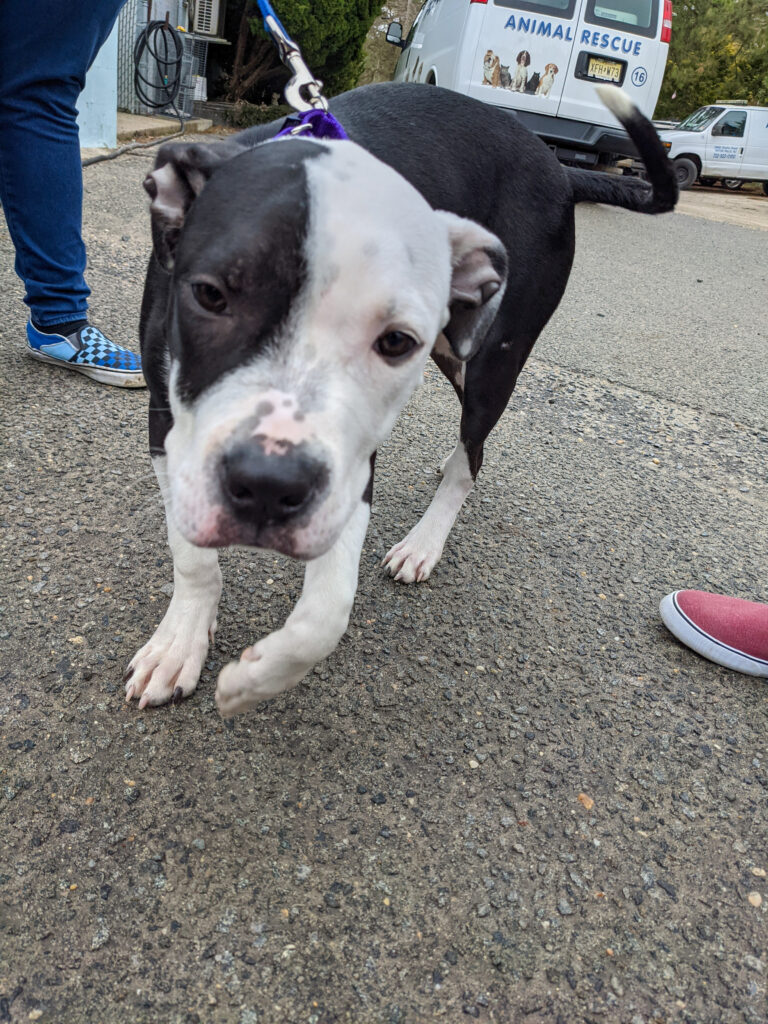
[[309, 283], [523, 58], [551, 69]]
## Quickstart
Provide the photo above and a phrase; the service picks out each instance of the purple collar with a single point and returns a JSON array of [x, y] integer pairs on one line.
[[316, 124]]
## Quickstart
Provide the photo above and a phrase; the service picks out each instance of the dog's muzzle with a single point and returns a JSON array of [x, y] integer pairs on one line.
[[263, 490]]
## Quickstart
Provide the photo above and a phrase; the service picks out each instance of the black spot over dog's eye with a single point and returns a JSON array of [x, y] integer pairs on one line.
[[209, 297], [395, 345]]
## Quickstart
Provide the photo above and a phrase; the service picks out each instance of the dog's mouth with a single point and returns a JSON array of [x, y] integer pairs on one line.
[[303, 541], [222, 530]]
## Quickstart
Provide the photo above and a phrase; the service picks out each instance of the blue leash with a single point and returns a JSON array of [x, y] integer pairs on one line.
[[290, 55], [303, 92]]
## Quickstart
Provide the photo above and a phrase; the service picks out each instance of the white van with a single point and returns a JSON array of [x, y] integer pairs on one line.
[[722, 141], [542, 59]]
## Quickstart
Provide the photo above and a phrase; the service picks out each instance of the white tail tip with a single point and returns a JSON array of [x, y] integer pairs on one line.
[[619, 104]]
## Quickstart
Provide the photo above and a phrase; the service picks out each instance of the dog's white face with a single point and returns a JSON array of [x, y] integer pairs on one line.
[[300, 334]]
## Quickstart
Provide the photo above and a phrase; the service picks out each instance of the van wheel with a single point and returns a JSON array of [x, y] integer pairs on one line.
[[686, 171], [733, 184], [431, 80]]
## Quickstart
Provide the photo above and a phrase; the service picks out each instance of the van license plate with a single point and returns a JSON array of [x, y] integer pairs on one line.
[[604, 70]]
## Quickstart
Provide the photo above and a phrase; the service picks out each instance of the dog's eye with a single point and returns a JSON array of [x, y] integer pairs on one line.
[[395, 345], [209, 297]]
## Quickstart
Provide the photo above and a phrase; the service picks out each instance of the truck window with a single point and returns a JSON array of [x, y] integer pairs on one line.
[[732, 124], [555, 8], [640, 17], [700, 119]]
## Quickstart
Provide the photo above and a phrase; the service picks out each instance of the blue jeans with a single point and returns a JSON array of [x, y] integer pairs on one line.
[[46, 47]]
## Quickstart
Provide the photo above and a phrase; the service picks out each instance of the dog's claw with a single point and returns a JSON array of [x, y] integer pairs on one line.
[[177, 696]]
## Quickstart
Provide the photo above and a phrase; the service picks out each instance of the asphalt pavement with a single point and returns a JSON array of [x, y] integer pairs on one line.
[[509, 795]]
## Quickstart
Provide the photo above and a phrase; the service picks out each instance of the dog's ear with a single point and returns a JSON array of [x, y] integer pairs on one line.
[[181, 170], [479, 276]]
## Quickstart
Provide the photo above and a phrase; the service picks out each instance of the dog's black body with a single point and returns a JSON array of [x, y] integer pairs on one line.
[[479, 162]]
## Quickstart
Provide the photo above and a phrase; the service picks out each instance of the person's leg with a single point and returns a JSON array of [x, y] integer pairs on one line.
[[45, 51], [727, 630]]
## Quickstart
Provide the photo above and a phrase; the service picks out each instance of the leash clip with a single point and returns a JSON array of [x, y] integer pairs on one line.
[[302, 79]]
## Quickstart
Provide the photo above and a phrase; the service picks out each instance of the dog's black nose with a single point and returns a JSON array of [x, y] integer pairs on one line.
[[267, 490]]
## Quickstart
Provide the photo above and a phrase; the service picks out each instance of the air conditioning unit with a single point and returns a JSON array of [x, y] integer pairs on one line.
[[207, 17]]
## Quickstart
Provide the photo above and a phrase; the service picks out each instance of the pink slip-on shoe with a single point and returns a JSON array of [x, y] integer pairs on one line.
[[727, 630]]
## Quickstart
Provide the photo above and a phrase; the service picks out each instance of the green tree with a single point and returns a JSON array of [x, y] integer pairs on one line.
[[330, 33], [719, 51]]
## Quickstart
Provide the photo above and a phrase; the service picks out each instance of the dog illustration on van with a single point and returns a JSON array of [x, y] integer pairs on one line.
[[547, 80], [523, 62], [498, 75], [495, 73], [491, 69]]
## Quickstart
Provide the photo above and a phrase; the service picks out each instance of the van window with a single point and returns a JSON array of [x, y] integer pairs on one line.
[[733, 124], [555, 8], [414, 26], [640, 17], [699, 119]]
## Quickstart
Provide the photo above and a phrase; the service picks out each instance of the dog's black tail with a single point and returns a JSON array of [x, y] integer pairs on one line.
[[660, 195]]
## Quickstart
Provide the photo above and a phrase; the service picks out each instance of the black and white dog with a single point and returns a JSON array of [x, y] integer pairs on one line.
[[296, 290]]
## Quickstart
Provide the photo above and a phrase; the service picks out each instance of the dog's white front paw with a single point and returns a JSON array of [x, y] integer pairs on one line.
[[414, 558], [264, 670], [168, 667]]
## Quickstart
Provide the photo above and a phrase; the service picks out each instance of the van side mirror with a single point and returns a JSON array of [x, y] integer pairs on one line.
[[717, 129], [395, 34]]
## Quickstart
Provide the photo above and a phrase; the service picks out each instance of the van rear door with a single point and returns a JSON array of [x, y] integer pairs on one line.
[[755, 163], [522, 51], [617, 41]]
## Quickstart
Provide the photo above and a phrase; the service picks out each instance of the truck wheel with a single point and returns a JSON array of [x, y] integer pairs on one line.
[[686, 171], [733, 184]]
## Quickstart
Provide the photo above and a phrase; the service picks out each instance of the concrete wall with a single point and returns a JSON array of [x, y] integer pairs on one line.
[[97, 105]]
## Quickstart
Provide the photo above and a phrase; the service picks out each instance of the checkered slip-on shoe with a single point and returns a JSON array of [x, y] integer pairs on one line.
[[88, 352], [727, 630]]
